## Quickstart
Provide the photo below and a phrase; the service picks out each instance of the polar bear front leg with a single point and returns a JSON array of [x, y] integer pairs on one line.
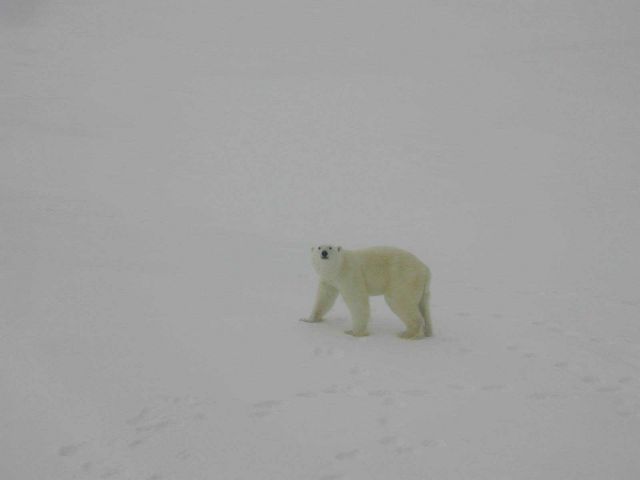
[[357, 301], [325, 298]]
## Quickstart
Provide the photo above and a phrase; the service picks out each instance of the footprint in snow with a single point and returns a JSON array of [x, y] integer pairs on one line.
[[200, 417], [347, 455], [543, 395], [183, 455], [389, 440], [608, 389], [355, 391], [329, 352], [590, 379], [403, 450], [139, 417], [69, 450], [153, 427], [262, 409], [308, 394], [332, 389], [417, 393], [379, 393], [267, 404], [332, 476], [359, 371], [111, 472], [488, 388], [393, 402], [433, 443]]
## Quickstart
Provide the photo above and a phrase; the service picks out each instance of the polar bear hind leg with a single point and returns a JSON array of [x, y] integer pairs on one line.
[[426, 313], [405, 305]]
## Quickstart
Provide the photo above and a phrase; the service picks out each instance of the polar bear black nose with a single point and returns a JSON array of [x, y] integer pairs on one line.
[[324, 254]]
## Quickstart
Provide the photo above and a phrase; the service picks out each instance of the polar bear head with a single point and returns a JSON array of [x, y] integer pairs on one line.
[[327, 259]]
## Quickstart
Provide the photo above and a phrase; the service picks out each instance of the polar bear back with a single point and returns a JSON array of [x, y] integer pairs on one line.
[[385, 268]]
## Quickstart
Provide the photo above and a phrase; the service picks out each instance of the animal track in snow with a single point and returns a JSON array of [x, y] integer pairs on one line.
[[431, 443], [307, 394], [267, 404], [333, 389], [608, 389], [544, 395], [360, 371], [403, 449], [355, 391], [165, 414], [328, 352], [393, 402], [488, 388], [183, 455], [264, 408], [590, 379], [383, 421], [417, 392], [347, 455], [110, 472], [69, 450], [153, 427], [389, 440], [331, 476], [379, 393]]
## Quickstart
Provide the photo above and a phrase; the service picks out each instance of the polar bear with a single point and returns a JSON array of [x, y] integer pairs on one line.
[[359, 274]]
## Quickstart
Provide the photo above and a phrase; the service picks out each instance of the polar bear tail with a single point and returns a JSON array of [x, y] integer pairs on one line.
[[426, 314]]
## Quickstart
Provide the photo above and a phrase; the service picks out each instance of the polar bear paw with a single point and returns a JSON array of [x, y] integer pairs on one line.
[[357, 334], [411, 335], [311, 320]]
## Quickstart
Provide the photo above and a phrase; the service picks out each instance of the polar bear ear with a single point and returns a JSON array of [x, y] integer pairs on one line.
[[313, 248], [339, 248]]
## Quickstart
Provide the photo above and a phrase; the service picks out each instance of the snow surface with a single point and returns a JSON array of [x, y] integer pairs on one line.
[[165, 166]]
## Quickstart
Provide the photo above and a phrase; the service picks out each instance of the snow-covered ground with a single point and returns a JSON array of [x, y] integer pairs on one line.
[[165, 166]]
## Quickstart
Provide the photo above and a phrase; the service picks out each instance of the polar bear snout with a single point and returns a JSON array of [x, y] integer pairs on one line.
[[326, 258]]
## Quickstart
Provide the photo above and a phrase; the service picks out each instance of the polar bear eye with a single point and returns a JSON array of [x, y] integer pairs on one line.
[[319, 248]]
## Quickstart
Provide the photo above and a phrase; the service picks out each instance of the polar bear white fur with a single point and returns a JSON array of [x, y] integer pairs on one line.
[[359, 274]]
